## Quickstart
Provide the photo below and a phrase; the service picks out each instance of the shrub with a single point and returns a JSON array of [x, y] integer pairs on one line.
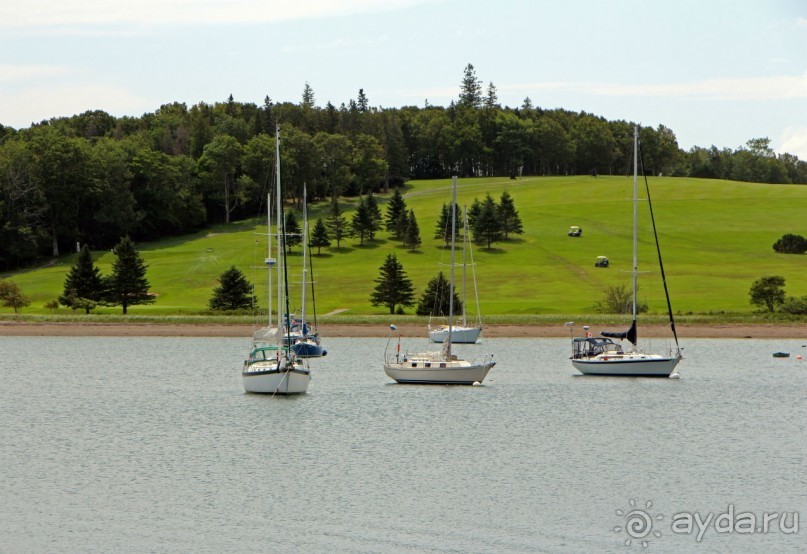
[[618, 299], [794, 306], [791, 244]]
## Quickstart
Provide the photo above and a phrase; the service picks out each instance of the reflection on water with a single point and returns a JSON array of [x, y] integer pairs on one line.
[[150, 444]]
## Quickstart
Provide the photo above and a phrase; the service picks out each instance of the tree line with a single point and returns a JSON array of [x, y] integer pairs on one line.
[[93, 178]]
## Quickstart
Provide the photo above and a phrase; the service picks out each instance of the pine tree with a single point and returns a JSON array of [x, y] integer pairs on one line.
[[362, 103], [375, 215], [473, 213], [492, 98], [84, 285], [412, 231], [508, 216], [435, 299], [308, 96], [443, 228], [127, 286], [319, 236], [362, 222], [487, 226], [470, 88], [337, 223], [293, 231], [233, 293], [393, 288], [395, 207]]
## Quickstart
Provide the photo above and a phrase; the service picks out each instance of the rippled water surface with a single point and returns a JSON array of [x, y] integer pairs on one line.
[[150, 445]]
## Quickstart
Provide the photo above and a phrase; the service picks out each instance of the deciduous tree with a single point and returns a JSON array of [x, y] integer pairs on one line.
[[11, 296], [768, 292]]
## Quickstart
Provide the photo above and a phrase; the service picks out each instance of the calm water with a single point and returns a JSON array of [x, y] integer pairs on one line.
[[150, 445]]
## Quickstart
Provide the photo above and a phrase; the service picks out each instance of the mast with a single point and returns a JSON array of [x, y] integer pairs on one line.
[[305, 269], [281, 257], [635, 219], [447, 348], [269, 261], [464, 278]]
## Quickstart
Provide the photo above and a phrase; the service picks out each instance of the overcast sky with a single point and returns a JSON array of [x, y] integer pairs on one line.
[[717, 72]]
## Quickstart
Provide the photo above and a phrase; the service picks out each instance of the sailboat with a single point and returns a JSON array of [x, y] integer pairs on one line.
[[462, 333], [601, 355], [272, 366], [441, 367], [306, 342]]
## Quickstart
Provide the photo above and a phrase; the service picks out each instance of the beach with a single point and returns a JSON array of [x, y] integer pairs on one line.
[[733, 331]]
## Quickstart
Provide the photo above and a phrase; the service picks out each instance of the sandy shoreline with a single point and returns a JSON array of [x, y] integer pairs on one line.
[[9, 328]]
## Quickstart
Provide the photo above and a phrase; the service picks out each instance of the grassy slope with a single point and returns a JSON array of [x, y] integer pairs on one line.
[[716, 239]]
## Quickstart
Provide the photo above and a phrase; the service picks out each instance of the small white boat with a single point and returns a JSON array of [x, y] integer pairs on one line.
[[436, 368], [439, 367], [272, 366], [601, 355], [271, 371], [462, 333]]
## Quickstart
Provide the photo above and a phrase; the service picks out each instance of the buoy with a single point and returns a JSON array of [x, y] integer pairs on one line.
[[799, 357], [477, 384], [675, 376]]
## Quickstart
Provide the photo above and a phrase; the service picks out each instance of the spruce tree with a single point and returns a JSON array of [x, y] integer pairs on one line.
[[443, 228], [435, 299], [127, 286], [393, 288], [362, 222], [234, 292], [508, 216], [412, 231], [395, 208], [375, 215], [487, 226], [293, 231], [337, 223], [84, 285], [319, 236], [470, 88]]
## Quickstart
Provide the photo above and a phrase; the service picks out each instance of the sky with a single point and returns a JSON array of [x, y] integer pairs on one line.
[[716, 72]]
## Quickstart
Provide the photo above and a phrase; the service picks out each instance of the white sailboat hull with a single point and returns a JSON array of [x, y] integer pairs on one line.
[[428, 370], [271, 380], [627, 365], [459, 334]]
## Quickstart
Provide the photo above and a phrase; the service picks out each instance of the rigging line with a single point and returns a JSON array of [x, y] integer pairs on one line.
[[311, 271], [658, 251], [287, 316]]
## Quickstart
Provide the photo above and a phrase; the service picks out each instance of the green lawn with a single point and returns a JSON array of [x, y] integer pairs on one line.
[[716, 239]]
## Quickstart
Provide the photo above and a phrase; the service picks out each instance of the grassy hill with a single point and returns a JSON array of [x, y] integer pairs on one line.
[[716, 239]]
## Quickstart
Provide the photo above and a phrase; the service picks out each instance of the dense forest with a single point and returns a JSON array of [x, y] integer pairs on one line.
[[94, 178]]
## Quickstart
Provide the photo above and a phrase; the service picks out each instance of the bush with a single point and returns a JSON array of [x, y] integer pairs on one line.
[[791, 244], [618, 299], [794, 306]]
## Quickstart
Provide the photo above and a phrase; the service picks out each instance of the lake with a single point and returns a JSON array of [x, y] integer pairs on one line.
[[151, 445]]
